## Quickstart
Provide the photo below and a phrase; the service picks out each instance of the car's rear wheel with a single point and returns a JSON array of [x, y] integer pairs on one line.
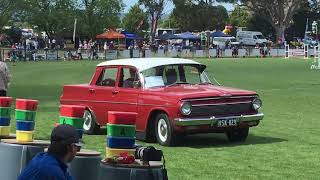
[[164, 130], [237, 135], [90, 126]]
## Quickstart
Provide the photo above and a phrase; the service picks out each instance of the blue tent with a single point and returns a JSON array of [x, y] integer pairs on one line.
[[188, 35], [130, 35], [218, 34]]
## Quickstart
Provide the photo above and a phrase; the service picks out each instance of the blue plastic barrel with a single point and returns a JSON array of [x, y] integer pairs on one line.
[[4, 121], [120, 142], [25, 125]]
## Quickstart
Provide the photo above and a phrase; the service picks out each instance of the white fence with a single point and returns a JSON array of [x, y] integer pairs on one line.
[[183, 53]]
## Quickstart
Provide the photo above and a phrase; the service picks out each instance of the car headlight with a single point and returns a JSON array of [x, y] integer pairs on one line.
[[185, 108], [256, 104]]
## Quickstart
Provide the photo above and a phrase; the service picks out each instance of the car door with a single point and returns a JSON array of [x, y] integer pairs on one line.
[[102, 94], [125, 95]]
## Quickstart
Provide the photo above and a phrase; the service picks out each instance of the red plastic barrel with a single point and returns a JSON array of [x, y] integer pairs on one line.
[[26, 104], [128, 118], [72, 111], [5, 101]]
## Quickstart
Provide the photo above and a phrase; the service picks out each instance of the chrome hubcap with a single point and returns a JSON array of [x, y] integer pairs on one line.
[[87, 120], [162, 130]]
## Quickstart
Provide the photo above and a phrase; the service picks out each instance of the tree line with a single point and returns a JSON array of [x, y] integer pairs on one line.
[[274, 18]]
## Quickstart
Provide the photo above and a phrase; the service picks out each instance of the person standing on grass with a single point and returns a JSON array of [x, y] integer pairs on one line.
[[52, 165], [4, 78]]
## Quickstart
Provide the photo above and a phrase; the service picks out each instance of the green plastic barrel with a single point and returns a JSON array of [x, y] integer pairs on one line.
[[76, 122], [24, 115], [120, 130], [5, 112]]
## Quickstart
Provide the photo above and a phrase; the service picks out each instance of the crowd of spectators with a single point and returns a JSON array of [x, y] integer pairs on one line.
[[91, 48]]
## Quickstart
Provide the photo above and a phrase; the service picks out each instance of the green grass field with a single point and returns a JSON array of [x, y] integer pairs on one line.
[[286, 145]]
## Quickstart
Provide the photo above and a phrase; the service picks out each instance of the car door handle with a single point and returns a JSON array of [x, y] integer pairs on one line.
[[115, 92], [91, 90]]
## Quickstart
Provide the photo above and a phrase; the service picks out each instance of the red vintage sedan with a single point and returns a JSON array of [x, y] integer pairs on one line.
[[171, 96]]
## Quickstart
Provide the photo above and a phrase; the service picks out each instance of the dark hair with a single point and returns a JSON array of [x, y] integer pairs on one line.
[[58, 149]]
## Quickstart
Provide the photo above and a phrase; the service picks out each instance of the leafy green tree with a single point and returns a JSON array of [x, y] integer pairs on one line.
[[239, 17], [95, 16], [52, 16], [170, 22], [136, 20], [6, 12], [278, 12], [299, 20], [259, 23], [199, 16], [155, 9]]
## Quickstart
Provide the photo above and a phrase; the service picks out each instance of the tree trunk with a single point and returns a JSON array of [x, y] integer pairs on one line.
[[280, 32], [154, 24]]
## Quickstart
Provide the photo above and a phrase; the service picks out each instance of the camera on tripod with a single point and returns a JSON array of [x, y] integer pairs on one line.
[[149, 153]]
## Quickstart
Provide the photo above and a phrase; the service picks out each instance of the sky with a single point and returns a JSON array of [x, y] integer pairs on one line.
[[169, 7]]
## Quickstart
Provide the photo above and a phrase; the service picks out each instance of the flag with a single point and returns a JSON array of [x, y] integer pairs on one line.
[[306, 29], [74, 30]]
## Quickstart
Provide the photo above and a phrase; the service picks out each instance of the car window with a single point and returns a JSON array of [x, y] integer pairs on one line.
[[192, 75], [171, 74], [260, 37], [108, 77], [127, 77], [174, 74]]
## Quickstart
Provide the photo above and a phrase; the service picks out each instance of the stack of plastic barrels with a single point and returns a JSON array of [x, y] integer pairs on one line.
[[25, 119], [5, 109], [121, 132], [72, 115]]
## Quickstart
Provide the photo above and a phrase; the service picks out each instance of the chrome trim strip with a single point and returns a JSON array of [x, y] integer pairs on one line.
[[213, 120], [222, 97], [218, 104], [112, 102]]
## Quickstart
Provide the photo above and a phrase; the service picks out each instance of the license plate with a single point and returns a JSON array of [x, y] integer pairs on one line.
[[227, 122]]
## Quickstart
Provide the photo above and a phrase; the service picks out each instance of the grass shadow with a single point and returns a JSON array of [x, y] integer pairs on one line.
[[220, 140]]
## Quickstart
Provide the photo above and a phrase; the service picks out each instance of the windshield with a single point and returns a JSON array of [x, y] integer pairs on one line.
[[260, 37], [174, 74]]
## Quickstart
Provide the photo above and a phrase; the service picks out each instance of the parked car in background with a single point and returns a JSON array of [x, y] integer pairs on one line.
[[251, 38], [310, 42], [230, 40], [172, 97]]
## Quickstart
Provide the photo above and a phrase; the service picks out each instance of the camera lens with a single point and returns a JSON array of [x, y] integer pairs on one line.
[[139, 152]]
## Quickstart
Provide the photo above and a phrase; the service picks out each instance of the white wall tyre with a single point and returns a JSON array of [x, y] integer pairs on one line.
[[90, 126], [164, 130]]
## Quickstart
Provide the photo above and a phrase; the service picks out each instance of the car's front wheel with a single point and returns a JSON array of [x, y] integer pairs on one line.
[[164, 130], [237, 135], [90, 126]]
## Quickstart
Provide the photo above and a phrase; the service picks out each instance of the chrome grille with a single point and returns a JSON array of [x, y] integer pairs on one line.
[[220, 107]]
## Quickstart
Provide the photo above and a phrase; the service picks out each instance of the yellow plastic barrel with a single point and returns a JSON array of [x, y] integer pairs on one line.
[[4, 130], [111, 152], [24, 136]]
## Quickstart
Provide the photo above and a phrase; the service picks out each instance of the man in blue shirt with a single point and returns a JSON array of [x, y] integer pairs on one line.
[[52, 165]]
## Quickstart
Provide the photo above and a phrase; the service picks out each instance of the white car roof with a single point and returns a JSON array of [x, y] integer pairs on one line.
[[146, 63]]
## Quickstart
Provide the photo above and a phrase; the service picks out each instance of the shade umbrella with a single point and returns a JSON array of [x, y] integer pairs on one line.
[[131, 35], [188, 35], [218, 34], [111, 34]]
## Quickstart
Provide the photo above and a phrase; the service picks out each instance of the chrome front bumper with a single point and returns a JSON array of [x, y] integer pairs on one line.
[[213, 120]]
